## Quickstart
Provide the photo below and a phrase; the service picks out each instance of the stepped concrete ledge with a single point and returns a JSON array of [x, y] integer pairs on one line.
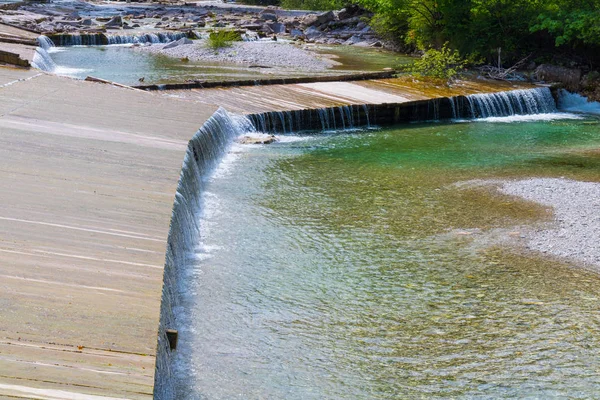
[[89, 174], [17, 41], [259, 99]]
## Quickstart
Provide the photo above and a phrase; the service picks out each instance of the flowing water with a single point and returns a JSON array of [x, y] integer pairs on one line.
[[347, 266]]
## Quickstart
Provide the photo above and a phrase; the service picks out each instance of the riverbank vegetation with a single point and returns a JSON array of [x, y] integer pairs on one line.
[[563, 32]]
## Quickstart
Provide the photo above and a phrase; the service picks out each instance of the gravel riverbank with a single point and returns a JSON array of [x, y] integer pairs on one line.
[[575, 233], [258, 53]]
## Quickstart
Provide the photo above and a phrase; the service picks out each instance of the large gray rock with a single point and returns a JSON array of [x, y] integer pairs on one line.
[[567, 76], [114, 21], [176, 43], [257, 139], [268, 15], [277, 27], [309, 20], [312, 32], [325, 17]]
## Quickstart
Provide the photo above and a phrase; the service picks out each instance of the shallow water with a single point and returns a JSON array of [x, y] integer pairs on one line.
[[122, 64], [330, 268]]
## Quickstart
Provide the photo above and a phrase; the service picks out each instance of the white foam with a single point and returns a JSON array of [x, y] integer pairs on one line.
[[67, 71], [529, 118]]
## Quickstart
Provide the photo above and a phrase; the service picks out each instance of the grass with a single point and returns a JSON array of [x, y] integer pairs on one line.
[[223, 38]]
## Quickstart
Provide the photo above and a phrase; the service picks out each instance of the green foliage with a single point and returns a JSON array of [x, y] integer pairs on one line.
[[571, 22], [443, 64], [264, 3], [317, 5], [222, 38], [518, 27]]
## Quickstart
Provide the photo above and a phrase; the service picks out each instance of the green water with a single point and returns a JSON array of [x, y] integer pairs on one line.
[[338, 267]]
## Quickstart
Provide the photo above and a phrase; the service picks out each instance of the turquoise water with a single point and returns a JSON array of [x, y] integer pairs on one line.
[[347, 266]]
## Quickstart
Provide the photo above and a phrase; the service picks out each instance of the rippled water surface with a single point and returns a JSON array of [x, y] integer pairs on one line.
[[344, 266]]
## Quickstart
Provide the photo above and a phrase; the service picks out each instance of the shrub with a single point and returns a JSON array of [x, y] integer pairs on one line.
[[316, 5], [222, 38], [444, 64]]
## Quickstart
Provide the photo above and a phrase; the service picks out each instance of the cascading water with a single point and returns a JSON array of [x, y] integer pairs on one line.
[[99, 39], [162, 37], [45, 42], [325, 119], [205, 149], [524, 102], [574, 102], [514, 102], [41, 58]]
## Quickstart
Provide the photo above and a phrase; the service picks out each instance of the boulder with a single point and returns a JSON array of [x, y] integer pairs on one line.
[[569, 77], [354, 39], [277, 27], [309, 20], [325, 17], [312, 32], [295, 33], [257, 139], [114, 21], [266, 29], [87, 22], [177, 43], [268, 15], [349, 11]]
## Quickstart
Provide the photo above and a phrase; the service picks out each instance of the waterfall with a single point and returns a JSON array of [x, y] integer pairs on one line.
[[324, 119], [501, 104], [204, 151], [99, 39], [42, 60], [162, 37], [45, 42], [574, 102], [504, 104]]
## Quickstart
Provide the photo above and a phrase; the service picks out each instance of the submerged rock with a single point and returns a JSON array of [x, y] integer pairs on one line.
[[257, 139]]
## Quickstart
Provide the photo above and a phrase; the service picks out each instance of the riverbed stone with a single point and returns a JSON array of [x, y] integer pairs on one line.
[[325, 17], [114, 21], [569, 77], [262, 139], [277, 27]]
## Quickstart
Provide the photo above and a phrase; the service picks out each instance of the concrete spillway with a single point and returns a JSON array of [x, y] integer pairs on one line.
[[260, 99], [89, 174]]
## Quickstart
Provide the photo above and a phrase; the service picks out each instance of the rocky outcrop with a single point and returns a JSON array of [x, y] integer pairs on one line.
[[346, 26], [568, 77]]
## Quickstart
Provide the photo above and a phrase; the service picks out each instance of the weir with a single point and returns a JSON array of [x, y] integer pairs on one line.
[[203, 153], [99, 39], [501, 104], [211, 142]]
